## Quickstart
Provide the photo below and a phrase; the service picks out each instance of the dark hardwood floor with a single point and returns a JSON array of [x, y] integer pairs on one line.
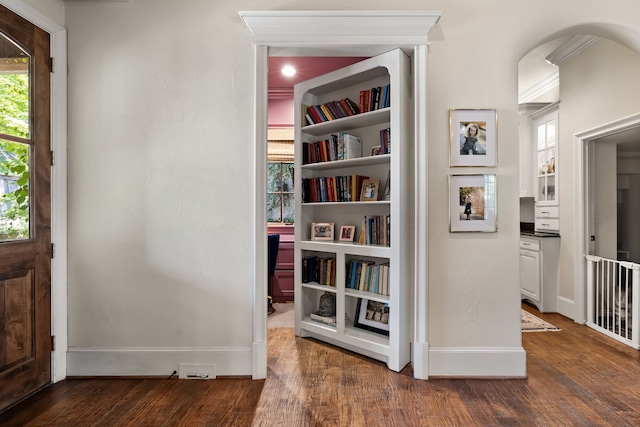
[[576, 377]]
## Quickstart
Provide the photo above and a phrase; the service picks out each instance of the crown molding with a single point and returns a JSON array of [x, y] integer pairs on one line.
[[550, 82], [281, 93], [570, 48], [375, 31]]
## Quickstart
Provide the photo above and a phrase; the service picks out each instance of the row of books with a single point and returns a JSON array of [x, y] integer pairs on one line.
[[362, 275], [375, 98], [377, 230], [368, 276], [340, 146], [385, 141], [331, 110], [319, 270], [345, 188]]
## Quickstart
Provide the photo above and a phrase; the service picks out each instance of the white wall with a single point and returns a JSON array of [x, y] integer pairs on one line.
[[596, 87], [606, 206], [632, 213], [161, 184], [53, 9]]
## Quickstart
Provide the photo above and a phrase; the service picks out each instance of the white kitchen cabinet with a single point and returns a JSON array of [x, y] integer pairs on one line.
[[539, 271], [526, 137], [546, 165]]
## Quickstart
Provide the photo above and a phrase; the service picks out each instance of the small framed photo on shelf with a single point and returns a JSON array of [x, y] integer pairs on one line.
[[322, 231], [372, 316], [347, 233], [473, 137], [375, 151], [369, 191], [472, 203]]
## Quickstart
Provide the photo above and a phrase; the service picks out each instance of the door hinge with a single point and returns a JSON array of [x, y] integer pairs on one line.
[[53, 250], [53, 161], [51, 65], [53, 342]]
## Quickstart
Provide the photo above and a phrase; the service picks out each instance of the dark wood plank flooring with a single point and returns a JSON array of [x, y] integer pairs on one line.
[[576, 377]]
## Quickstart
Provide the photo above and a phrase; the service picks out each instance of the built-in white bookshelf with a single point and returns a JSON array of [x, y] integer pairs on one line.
[[387, 336]]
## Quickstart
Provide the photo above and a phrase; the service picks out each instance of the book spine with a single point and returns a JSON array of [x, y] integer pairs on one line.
[[376, 100], [314, 114], [335, 108], [346, 107], [319, 113], [386, 98], [354, 107], [352, 146], [326, 112]]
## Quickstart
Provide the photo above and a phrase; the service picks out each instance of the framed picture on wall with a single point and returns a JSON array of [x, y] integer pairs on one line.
[[472, 203], [473, 137]]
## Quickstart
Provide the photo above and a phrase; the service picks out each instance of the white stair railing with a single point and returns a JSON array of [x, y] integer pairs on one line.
[[613, 299]]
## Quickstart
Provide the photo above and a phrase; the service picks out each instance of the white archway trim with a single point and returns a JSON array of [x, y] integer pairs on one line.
[[338, 33], [58, 40], [582, 204]]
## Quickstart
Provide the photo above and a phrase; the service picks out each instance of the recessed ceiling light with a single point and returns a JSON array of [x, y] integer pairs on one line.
[[288, 71]]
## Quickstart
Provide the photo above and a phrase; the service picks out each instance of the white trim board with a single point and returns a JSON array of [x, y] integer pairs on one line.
[[369, 33], [58, 41], [477, 362], [159, 361], [582, 202]]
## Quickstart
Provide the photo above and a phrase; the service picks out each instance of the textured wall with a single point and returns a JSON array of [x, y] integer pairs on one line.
[[161, 173]]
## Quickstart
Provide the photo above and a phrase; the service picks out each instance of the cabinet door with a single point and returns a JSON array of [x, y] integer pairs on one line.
[[530, 275], [546, 166]]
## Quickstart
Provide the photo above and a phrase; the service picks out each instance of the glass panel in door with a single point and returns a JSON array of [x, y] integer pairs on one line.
[[15, 146]]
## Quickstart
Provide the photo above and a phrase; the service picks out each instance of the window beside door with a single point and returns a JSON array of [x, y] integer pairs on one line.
[[280, 177]]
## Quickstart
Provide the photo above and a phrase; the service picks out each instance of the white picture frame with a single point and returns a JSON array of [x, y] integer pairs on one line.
[[473, 138], [472, 203]]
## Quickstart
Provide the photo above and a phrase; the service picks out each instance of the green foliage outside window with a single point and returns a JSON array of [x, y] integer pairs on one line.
[[280, 201], [14, 156]]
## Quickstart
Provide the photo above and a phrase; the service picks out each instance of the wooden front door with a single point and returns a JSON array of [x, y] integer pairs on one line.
[[25, 209]]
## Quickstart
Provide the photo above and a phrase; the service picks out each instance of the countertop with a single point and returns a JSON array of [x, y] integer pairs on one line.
[[527, 229], [538, 234]]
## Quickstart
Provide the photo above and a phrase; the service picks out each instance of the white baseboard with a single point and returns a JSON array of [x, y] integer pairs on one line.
[[567, 308], [477, 362], [151, 361]]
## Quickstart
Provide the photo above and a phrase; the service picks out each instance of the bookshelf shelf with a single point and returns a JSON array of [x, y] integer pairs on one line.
[[343, 248], [319, 287], [349, 163], [361, 120], [359, 204], [390, 264]]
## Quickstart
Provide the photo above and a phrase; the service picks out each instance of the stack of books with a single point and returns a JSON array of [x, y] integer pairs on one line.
[[375, 98], [332, 110], [340, 146], [322, 189], [319, 270], [368, 276]]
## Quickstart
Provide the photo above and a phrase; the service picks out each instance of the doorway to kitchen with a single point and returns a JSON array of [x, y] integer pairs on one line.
[[612, 272]]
